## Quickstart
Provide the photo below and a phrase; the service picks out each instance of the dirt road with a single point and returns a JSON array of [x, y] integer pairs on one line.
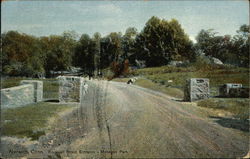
[[121, 120]]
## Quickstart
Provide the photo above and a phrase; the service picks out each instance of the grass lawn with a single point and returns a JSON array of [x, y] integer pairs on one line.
[[11, 82], [31, 120], [217, 76], [239, 107], [174, 92], [179, 75]]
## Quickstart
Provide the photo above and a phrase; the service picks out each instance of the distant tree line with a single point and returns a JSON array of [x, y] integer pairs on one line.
[[231, 50], [159, 42]]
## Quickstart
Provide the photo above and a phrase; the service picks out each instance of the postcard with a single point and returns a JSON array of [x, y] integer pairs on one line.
[[124, 79]]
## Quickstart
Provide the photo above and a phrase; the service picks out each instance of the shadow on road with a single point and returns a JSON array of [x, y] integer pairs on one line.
[[242, 125]]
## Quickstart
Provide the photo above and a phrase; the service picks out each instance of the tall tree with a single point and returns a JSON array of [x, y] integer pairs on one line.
[[97, 50], [21, 54], [59, 52], [128, 42], [241, 45], [161, 41], [81, 52], [111, 49], [229, 50]]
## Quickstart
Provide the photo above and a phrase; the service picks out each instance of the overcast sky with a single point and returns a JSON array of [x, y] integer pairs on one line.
[[42, 18]]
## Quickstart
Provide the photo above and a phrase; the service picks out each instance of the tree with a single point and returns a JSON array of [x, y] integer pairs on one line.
[[209, 43], [87, 53], [128, 44], [229, 50], [21, 54], [81, 52], [241, 45], [59, 52], [111, 49], [97, 50], [161, 41]]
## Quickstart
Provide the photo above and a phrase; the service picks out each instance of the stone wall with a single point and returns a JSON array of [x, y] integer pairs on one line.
[[233, 90], [196, 88], [17, 96], [239, 92], [28, 92], [70, 88], [225, 88]]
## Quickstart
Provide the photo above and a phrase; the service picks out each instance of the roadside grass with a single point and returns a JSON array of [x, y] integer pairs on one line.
[[216, 77], [171, 79], [174, 92], [239, 107], [157, 78], [228, 112], [11, 82], [31, 120]]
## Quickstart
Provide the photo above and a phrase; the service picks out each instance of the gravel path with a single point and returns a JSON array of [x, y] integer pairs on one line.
[[120, 120], [145, 123]]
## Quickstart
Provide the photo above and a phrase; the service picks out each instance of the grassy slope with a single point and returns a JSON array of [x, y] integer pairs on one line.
[[31, 120], [157, 79], [179, 75], [239, 107], [11, 82]]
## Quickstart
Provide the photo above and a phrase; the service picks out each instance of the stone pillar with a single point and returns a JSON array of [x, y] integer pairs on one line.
[[38, 89], [70, 89], [196, 88]]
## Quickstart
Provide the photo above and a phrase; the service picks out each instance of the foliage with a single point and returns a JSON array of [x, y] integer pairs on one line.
[[25, 55], [111, 49], [120, 68], [161, 41], [59, 51], [230, 50], [128, 44], [21, 54], [85, 54]]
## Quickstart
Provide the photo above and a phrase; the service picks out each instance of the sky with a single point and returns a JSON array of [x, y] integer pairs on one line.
[[43, 18]]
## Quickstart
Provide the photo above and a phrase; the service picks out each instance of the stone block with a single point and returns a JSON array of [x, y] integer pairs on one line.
[[225, 88], [70, 88], [17, 96], [239, 92], [196, 89], [38, 86]]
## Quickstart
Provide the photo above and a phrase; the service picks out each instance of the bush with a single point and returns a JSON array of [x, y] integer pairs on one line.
[[120, 69]]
